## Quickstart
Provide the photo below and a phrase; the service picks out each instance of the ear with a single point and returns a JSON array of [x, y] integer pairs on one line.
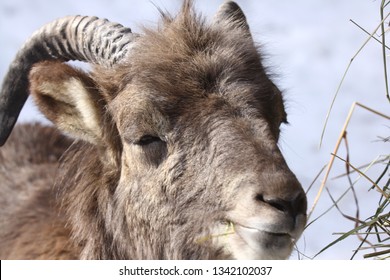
[[231, 16], [69, 99]]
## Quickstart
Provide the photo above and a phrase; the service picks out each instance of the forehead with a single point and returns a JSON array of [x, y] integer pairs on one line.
[[188, 64]]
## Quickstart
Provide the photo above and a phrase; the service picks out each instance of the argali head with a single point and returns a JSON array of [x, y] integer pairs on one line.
[[184, 124]]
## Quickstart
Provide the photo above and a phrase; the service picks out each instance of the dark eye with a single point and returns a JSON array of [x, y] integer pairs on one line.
[[147, 139], [152, 148]]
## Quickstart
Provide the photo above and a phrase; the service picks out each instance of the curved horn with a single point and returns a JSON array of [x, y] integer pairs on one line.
[[82, 38]]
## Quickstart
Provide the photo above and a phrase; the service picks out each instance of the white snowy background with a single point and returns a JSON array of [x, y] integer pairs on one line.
[[308, 45]]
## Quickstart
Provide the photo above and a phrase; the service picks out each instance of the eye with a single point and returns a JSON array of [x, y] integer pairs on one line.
[[152, 149], [147, 140]]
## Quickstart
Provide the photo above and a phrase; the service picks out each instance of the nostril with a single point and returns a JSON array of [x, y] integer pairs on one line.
[[259, 197], [291, 207], [279, 204]]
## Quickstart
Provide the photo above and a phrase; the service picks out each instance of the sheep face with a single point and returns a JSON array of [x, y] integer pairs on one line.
[[183, 136]]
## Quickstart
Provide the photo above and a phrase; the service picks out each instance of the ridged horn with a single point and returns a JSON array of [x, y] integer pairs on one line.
[[82, 38]]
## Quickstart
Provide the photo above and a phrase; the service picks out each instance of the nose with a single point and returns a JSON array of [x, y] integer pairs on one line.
[[281, 192], [291, 207]]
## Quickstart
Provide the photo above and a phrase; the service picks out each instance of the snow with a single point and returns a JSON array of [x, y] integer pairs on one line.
[[308, 45]]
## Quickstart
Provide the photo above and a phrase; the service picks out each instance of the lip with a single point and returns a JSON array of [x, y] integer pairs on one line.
[[261, 231], [259, 240]]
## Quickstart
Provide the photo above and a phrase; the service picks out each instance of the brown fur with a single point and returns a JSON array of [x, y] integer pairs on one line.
[[27, 200], [201, 92]]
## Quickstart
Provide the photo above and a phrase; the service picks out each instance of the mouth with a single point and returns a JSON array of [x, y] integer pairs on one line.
[[251, 230], [254, 243]]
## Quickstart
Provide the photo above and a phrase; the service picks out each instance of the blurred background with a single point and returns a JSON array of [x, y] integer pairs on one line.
[[307, 46]]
